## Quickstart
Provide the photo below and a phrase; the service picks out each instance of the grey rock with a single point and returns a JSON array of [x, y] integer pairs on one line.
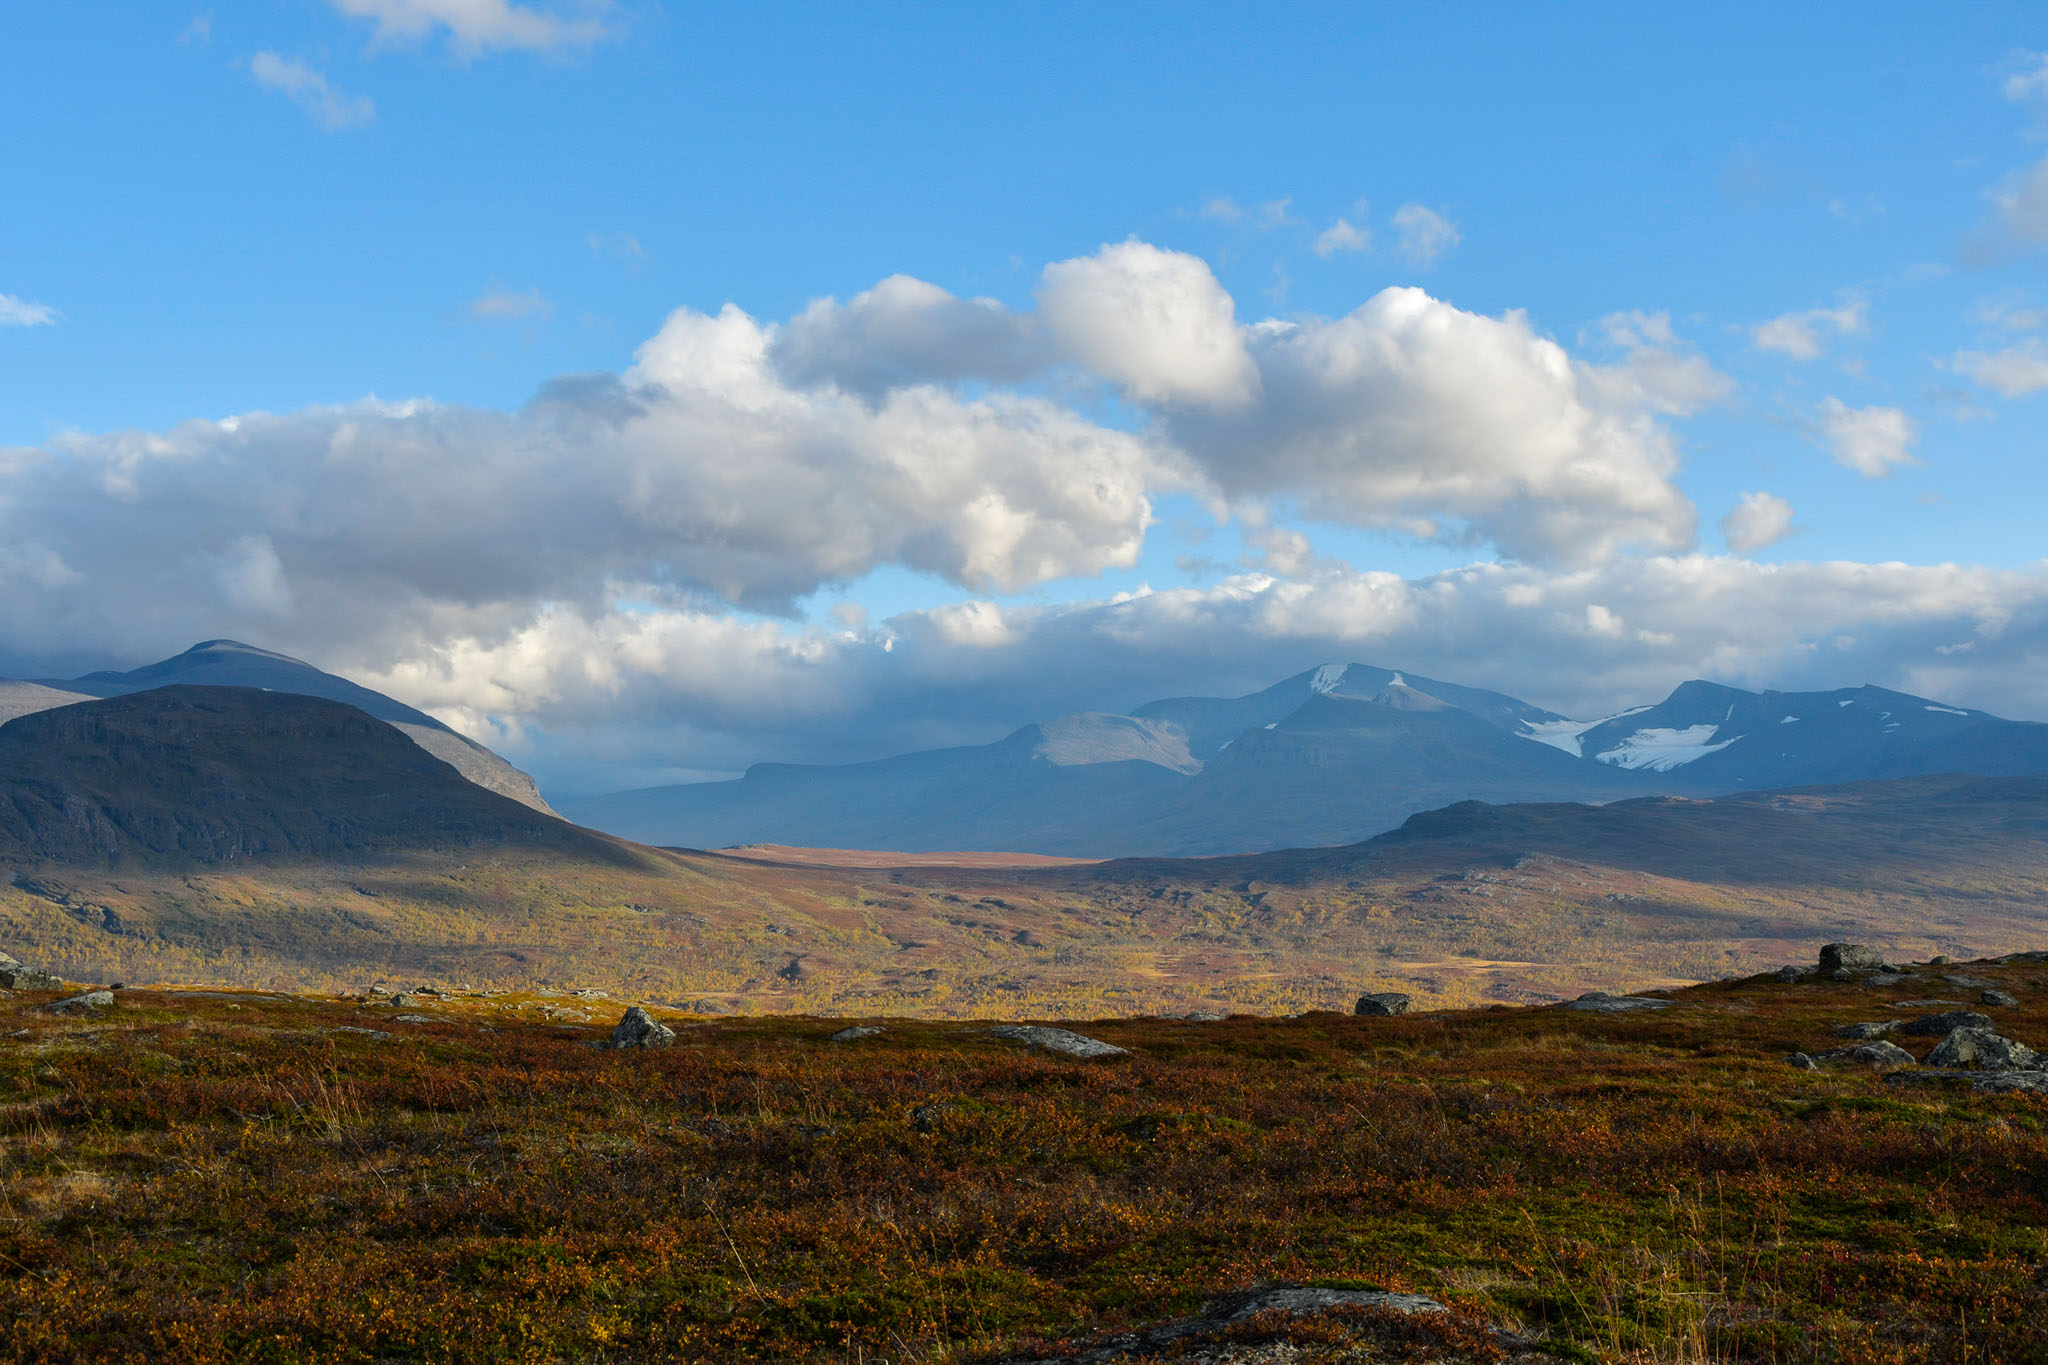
[[1063, 1041], [1879, 1053], [1982, 1049], [1965, 981], [15, 977], [2035, 955], [1205, 1016], [1599, 1002], [1790, 975], [401, 1001], [1926, 1004], [1840, 974], [1799, 1061], [1209, 1339], [855, 1033], [80, 1004], [1989, 1082], [926, 1117], [1883, 979], [1947, 1022], [413, 1018], [638, 1028], [1837, 956], [1872, 1029], [361, 1032], [1999, 1000], [1381, 1002], [1937, 961]]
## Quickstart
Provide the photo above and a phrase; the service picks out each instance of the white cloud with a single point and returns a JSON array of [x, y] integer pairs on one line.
[[2028, 81], [480, 26], [499, 304], [2020, 207], [2014, 372], [1799, 335], [1342, 235], [1426, 236], [1154, 322], [327, 106], [16, 312], [904, 331], [1413, 415], [1872, 441], [1760, 520], [1661, 368]]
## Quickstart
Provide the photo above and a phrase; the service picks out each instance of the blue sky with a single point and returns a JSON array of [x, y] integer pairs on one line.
[[1815, 223]]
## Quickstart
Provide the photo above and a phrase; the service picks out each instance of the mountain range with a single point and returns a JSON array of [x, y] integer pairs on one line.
[[1329, 756]]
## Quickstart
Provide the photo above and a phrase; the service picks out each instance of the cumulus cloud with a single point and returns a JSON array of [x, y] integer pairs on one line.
[[1872, 441], [1801, 335], [326, 105], [1424, 235], [2014, 372], [1660, 367], [1760, 520], [1414, 415], [904, 331], [1154, 322], [480, 26], [1342, 235], [16, 312]]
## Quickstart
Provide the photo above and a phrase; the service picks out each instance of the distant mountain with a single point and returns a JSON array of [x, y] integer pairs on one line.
[[229, 663], [1329, 756], [183, 775]]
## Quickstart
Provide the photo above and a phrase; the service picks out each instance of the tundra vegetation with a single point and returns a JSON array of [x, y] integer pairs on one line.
[[191, 1176]]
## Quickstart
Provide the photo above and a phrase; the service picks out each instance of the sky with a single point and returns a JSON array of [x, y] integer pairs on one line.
[[649, 391]]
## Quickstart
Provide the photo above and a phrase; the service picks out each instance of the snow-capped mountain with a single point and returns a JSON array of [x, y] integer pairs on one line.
[[1330, 755]]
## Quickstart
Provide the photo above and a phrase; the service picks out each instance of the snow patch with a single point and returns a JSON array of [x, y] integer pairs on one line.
[[1850, 702], [1662, 750], [1398, 681], [1328, 678], [1560, 734], [1948, 710], [1789, 720]]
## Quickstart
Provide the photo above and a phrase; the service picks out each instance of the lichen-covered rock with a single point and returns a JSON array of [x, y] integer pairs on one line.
[[1999, 1000], [1836, 957], [81, 1004], [854, 1033], [14, 976], [640, 1029], [1600, 1002], [1945, 1023], [1879, 1053], [1063, 1041], [1381, 1002], [1871, 1029], [1791, 975], [1983, 1049]]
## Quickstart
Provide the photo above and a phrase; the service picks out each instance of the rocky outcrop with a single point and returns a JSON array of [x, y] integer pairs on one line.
[[1984, 1050], [1945, 1023], [640, 1029], [1836, 957], [1065, 1042], [1382, 1003], [1600, 1002]]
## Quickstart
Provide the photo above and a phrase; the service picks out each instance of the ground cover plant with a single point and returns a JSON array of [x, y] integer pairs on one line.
[[202, 1176]]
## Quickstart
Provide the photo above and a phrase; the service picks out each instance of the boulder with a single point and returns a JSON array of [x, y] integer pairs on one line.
[[1866, 1031], [1790, 975], [1600, 1002], [1999, 1000], [16, 977], [1884, 978], [81, 1004], [1381, 1002], [1837, 957], [855, 1033], [1063, 1041], [2025, 1082], [1879, 1053], [1963, 979], [1982, 1049], [1945, 1023], [640, 1029], [1799, 1061]]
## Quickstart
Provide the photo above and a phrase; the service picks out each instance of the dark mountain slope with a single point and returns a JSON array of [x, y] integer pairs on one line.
[[218, 774], [229, 663]]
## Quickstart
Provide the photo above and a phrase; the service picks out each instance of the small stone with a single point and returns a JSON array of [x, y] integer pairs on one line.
[[1965, 981], [1382, 1003], [1926, 1004], [1868, 1030], [638, 1028], [1983, 1049], [856, 1033], [1883, 979], [1063, 1041], [1836, 956], [401, 1000], [1999, 1000], [1791, 976], [1799, 1061], [1840, 974], [413, 1018], [1879, 1053], [79, 1004], [1947, 1022], [926, 1117]]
